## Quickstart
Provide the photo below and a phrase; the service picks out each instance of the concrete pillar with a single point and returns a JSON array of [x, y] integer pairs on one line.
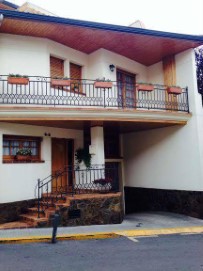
[[97, 145]]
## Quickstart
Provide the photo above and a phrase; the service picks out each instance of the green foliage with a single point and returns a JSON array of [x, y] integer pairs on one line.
[[60, 78], [199, 68], [103, 80], [83, 155], [24, 152], [141, 83], [18, 75]]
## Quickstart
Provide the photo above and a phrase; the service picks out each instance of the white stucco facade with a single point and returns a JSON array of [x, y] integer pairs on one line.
[[169, 158], [35, 53], [18, 181]]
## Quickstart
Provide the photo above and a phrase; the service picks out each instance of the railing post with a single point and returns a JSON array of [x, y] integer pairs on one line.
[[38, 204], [188, 108], [104, 97]]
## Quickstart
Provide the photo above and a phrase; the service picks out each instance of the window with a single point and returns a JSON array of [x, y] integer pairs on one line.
[[11, 144], [56, 67]]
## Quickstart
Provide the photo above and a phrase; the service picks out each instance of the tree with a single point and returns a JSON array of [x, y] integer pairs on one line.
[[199, 65]]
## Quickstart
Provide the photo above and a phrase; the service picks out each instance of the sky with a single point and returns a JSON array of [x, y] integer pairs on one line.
[[179, 16]]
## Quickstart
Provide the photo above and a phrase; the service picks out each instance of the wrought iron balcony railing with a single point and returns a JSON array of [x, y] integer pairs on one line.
[[45, 91]]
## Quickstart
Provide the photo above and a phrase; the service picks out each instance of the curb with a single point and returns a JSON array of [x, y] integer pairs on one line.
[[103, 235]]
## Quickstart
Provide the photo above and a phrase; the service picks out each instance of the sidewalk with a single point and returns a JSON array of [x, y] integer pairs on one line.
[[140, 224]]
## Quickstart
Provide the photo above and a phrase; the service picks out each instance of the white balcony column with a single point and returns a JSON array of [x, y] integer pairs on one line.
[[97, 143]]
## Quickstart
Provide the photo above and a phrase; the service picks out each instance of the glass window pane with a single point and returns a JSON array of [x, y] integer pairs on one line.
[[6, 143], [26, 144], [6, 151]]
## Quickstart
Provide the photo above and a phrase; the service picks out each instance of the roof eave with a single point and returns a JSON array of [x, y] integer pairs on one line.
[[99, 26]]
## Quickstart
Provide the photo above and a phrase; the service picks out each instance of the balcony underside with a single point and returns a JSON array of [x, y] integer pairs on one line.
[[125, 120]]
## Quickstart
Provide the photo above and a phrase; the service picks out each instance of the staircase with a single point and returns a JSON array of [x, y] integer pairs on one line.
[[87, 181], [48, 206]]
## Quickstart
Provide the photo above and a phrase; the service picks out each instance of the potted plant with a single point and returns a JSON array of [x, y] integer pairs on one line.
[[24, 154], [60, 82], [17, 79], [174, 90], [105, 184], [145, 87], [102, 83], [83, 155]]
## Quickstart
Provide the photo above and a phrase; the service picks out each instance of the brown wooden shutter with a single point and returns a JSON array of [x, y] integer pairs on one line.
[[76, 75], [75, 71], [56, 67], [169, 70]]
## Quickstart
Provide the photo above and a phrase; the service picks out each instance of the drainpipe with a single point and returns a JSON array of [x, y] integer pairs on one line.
[[1, 19]]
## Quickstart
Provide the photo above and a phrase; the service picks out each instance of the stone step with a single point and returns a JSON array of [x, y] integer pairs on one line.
[[53, 196], [34, 220], [49, 212], [34, 212], [61, 205], [15, 225], [46, 204]]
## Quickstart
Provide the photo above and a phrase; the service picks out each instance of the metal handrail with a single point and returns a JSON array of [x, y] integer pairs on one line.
[[97, 178]]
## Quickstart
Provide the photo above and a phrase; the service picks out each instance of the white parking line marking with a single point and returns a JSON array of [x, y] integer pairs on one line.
[[147, 236], [190, 233], [133, 239]]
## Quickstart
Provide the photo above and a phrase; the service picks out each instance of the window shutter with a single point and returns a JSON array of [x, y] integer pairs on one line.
[[169, 71], [76, 76], [75, 71], [56, 67]]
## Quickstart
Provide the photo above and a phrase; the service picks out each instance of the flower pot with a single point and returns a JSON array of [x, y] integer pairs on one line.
[[100, 84], [23, 157], [145, 87], [60, 82], [174, 90], [18, 80]]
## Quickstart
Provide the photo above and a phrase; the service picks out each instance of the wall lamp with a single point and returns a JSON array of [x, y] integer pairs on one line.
[[112, 67]]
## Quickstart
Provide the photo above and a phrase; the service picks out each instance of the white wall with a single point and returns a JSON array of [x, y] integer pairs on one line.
[[100, 60], [17, 181], [155, 73], [30, 56], [23, 55], [166, 158], [169, 158]]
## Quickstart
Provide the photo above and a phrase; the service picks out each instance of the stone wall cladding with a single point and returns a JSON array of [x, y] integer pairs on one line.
[[94, 211], [10, 212], [177, 201]]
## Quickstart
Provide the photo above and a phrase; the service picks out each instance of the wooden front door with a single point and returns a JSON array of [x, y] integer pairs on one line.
[[59, 161], [126, 89]]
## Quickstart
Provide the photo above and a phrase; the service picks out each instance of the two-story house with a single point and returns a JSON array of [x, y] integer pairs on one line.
[[128, 95]]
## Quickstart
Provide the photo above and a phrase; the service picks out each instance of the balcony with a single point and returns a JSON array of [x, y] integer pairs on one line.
[[44, 91]]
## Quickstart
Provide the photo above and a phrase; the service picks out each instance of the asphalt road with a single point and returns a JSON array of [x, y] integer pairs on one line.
[[163, 253]]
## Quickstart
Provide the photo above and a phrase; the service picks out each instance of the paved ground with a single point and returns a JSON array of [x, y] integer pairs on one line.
[[165, 253], [150, 220]]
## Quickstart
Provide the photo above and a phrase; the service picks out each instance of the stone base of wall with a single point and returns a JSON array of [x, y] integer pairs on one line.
[[10, 212], [104, 209], [177, 201]]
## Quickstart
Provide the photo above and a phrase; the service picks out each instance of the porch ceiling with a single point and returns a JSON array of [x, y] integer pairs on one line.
[[122, 127], [142, 45]]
